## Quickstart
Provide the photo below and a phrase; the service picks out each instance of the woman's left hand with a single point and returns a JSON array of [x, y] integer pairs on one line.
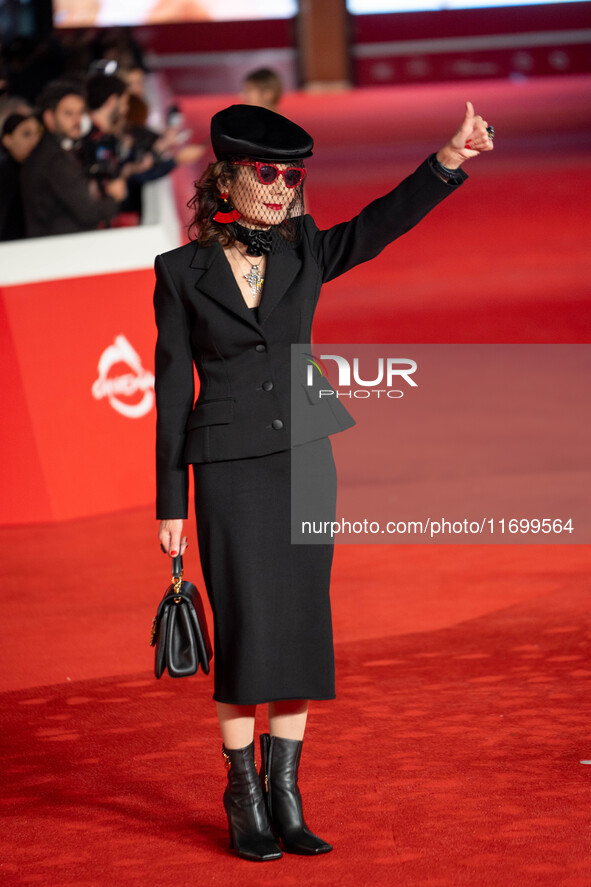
[[471, 139]]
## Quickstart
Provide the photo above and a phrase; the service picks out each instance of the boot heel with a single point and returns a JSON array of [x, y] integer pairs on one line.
[[231, 833]]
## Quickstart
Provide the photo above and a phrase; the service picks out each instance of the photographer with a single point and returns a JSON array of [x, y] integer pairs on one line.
[[105, 153], [58, 197]]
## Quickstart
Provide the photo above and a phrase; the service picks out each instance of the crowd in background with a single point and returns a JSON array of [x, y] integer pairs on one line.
[[78, 140]]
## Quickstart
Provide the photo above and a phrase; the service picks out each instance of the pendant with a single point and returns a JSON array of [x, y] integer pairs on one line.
[[254, 280]]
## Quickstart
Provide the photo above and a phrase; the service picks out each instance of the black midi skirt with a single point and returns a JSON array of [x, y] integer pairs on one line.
[[270, 598]]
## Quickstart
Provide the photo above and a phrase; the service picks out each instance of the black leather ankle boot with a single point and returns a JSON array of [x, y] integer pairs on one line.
[[248, 819], [279, 778]]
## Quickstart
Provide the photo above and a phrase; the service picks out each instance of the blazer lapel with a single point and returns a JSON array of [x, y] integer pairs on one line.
[[215, 279], [280, 274]]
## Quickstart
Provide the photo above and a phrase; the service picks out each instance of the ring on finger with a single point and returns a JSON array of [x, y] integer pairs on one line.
[[490, 130]]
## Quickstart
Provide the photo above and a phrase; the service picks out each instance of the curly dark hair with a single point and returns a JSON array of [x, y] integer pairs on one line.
[[205, 202]]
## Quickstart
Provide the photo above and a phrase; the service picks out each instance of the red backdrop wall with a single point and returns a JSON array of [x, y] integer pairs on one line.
[[77, 397]]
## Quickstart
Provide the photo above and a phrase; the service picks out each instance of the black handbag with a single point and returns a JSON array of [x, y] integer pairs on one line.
[[179, 629]]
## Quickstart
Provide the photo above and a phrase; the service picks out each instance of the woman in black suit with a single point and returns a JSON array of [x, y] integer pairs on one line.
[[233, 303]]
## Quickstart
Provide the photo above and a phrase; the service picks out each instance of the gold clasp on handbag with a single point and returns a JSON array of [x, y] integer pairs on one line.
[[177, 582]]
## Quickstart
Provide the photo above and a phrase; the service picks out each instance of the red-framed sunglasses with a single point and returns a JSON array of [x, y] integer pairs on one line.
[[268, 172]]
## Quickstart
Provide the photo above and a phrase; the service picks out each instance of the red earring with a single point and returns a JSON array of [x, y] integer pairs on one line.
[[226, 212]]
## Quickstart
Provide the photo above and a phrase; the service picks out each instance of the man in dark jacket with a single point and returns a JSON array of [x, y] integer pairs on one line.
[[58, 197], [108, 151]]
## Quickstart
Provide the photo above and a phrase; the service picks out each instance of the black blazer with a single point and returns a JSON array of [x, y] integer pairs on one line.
[[244, 404]]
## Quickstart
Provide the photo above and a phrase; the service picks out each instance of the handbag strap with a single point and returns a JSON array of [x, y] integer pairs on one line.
[[177, 575], [177, 567]]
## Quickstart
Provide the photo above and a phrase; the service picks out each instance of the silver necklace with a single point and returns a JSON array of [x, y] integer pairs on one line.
[[254, 278]]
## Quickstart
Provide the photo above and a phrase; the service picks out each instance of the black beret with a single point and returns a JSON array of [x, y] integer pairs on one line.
[[251, 131]]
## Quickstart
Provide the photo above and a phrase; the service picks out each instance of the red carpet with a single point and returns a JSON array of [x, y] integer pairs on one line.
[[452, 753], [449, 757]]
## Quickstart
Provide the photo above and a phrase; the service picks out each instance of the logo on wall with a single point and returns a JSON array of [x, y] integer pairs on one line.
[[128, 387]]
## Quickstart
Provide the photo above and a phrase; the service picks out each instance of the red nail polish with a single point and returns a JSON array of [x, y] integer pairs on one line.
[[174, 553]]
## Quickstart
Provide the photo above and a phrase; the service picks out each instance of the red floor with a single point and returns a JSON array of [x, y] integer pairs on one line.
[[452, 754]]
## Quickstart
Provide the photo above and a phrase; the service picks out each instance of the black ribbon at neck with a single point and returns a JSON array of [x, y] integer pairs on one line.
[[258, 242]]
